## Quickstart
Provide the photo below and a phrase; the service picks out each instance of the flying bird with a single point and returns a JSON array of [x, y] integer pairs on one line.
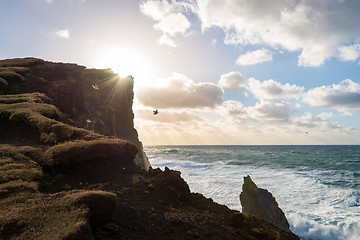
[[95, 86], [156, 112]]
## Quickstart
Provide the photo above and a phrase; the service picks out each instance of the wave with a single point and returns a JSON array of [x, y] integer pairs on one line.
[[314, 210], [318, 187]]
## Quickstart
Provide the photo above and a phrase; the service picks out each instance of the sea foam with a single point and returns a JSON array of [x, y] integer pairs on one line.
[[314, 210]]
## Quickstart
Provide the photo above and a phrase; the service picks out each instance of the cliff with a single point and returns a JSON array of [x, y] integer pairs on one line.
[[63, 177], [92, 99]]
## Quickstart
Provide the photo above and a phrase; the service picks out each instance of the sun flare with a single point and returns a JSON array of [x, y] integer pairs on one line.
[[126, 61]]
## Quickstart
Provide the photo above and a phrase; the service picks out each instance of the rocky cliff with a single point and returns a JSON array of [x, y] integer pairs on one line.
[[92, 99], [63, 177], [260, 203]]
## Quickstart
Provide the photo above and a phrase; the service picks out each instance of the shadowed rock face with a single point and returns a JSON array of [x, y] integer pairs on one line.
[[260, 203], [93, 99]]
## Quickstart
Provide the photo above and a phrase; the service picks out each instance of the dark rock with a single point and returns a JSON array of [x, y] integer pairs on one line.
[[70, 88], [260, 203]]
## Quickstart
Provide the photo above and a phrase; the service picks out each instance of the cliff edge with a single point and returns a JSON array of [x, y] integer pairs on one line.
[[93, 99], [64, 175]]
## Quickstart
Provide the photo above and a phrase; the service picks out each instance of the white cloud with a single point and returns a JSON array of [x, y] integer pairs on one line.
[[309, 121], [268, 89], [63, 33], [316, 28], [178, 91], [344, 96], [271, 89], [173, 23], [271, 111], [167, 116], [165, 40], [349, 53], [51, 1], [254, 57], [169, 17], [233, 81]]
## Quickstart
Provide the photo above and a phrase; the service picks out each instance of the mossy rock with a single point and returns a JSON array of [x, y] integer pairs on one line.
[[102, 205], [103, 151]]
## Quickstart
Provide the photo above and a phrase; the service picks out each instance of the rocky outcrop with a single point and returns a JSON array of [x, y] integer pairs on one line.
[[260, 203], [93, 99], [61, 178]]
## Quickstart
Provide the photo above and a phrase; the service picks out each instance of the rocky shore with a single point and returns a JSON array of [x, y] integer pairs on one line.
[[72, 167]]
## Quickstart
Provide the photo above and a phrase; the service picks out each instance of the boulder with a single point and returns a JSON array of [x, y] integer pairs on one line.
[[260, 203]]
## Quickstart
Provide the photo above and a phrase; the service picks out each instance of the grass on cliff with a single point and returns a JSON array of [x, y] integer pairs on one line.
[[27, 213], [102, 150], [20, 62], [18, 171], [64, 215], [31, 110]]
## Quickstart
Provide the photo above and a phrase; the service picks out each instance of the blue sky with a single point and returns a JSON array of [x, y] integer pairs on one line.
[[220, 72]]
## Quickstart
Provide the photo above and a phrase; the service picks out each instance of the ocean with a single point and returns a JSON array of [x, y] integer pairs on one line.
[[317, 187]]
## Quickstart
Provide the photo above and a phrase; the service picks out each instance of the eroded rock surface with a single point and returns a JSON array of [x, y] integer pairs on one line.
[[260, 203]]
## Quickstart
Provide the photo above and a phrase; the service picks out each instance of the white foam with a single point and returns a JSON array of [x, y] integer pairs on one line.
[[314, 210]]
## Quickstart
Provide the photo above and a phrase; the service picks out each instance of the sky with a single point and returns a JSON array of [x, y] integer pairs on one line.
[[223, 72]]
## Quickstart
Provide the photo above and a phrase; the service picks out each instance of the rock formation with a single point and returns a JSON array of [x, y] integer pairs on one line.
[[63, 178], [93, 99], [260, 203]]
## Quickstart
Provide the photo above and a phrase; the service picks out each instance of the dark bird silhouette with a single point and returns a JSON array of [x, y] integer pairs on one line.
[[156, 112], [306, 132]]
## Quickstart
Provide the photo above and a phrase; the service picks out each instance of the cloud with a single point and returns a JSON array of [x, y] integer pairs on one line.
[[271, 89], [349, 53], [178, 91], [344, 96], [63, 33], [167, 116], [169, 17], [310, 121], [315, 28], [233, 81], [271, 111], [51, 1], [268, 89], [254, 57]]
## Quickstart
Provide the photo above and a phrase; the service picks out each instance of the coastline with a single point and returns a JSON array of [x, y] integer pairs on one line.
[[64, 178], [311, 186]]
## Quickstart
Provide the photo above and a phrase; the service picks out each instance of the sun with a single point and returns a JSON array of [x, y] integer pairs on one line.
[[126, 61]]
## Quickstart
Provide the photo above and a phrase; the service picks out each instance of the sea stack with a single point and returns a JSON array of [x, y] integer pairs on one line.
[[260, 203]]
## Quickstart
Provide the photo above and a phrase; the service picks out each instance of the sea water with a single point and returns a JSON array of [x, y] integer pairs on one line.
[[317, 187]]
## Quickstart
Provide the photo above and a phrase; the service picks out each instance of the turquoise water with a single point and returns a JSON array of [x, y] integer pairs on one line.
[[318, 187]]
